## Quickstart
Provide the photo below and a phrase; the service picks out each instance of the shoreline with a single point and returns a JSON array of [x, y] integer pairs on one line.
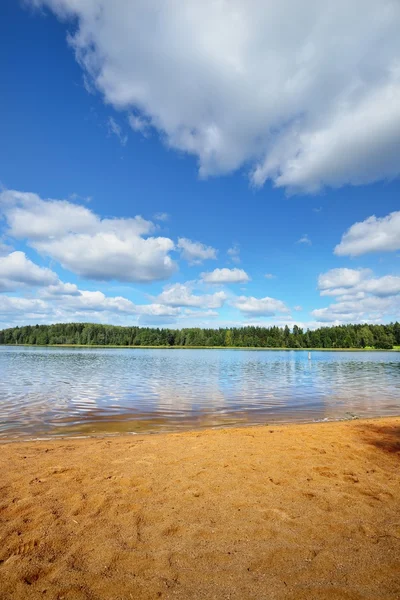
[[272, 349], [237, 426], [294, 512]]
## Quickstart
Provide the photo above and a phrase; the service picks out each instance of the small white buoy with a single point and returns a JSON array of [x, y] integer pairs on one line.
[[309, 356]]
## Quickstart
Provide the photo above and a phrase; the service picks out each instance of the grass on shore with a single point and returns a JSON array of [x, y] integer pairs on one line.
[[367, 349]]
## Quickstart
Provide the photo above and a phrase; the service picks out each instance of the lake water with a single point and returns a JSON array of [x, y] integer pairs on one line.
[[78, 391]]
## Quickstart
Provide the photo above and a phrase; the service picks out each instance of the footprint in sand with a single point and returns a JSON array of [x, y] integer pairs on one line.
[[319, 450], [171, 530], [350, 476], [309, 495], [275, 481], [36, 480], [325, 472], [23, 549], [59, 470]]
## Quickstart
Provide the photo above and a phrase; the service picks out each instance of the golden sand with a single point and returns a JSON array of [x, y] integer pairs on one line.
[[278, 512]]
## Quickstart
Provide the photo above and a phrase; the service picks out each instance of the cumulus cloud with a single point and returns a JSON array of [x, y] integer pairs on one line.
[[17, 271], [383, 286], [102, 249], [62, 301], [357, 311], [262, 307], [112, 255], [372, 235], [28, 216], [14, 306], [195, 252], [359, 296], [343, 150], [180, 294], [65, 302], [287, 88], [357, 283], [99, 302], [61, 289], [341, 278], [220, 276]]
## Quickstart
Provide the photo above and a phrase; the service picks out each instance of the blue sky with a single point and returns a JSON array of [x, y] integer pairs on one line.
[[188, 168]]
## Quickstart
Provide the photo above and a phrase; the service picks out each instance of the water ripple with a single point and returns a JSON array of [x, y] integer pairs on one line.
[[64, 391]]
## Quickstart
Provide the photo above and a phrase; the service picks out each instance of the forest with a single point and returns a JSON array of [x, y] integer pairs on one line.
[[91, 334]]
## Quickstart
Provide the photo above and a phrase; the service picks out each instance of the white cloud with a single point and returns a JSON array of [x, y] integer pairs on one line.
[[28, 216], [180, 294], [102, 249], [59, 301], [359, 296], [342, 278], [342, 150], [97, 301], [266, 307], [372, 235], [196, 252], [383, 286], [286, 87], [357, 311], [115, 129], [61, 289], [221, 276], [357, 282], [298, 308], [269, 276], [139, 124], [16, 271], [158, 310], [111, 255], [304, 240], [14, 306], [67, 303]]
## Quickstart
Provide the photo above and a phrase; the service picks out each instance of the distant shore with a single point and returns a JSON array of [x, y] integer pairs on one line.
[[289, 512], [350, 336], [394, 349]]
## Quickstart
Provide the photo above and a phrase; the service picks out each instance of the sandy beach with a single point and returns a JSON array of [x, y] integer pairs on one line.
[[277, 512]]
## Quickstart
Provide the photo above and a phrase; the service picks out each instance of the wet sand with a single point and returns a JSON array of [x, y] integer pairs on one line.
[[275, 512]]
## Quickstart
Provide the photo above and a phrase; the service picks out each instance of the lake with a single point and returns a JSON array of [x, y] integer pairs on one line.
[[84, 391]]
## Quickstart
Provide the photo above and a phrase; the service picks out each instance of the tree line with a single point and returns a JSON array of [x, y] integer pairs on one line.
[[92, 334]]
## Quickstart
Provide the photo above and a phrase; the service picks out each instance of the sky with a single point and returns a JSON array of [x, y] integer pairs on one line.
[[206, 164]]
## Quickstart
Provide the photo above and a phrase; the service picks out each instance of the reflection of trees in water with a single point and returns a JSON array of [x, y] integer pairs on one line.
[[43, 387]]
